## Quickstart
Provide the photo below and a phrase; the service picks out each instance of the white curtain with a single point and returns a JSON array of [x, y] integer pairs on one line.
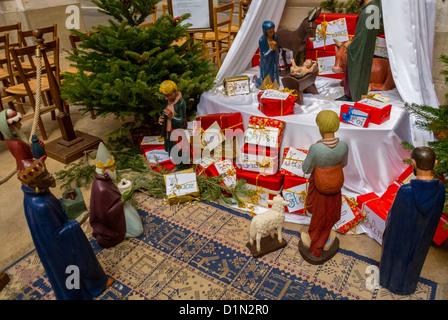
[[409, 27], [246, 42]]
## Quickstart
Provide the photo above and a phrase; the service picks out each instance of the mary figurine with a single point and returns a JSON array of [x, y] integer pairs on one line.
[[268, 54]]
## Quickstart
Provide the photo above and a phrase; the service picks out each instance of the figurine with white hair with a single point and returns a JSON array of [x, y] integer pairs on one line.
[[266, 224]]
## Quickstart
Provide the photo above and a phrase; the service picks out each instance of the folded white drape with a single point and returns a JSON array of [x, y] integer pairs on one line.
[[246, 42], [409, 27]]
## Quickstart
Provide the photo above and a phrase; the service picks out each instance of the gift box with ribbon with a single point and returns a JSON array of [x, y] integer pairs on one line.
[[292, 162], [379, 111], [226, 168], [276, 102], [264, 132], [331, 26], [150, 142], [295, 190], [375, 211], [259, 159], [181, 186], [351, 216], [202, 164], [267, 186], [404, 178], [357, 117], [231, 124]]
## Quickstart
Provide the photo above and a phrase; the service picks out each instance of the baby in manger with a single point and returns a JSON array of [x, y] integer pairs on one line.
[[301, 71]]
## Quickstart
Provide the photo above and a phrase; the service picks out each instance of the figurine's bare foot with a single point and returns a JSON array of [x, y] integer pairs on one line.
[[305, 239], [109, 283], [329, 243]]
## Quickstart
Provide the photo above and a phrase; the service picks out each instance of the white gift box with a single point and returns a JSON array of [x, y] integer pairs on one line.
[[157, 156]]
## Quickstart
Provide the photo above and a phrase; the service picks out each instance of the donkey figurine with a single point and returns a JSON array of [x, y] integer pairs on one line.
[[296, 40]]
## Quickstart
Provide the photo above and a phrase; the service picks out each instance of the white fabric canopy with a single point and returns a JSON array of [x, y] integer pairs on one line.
[[409, 28], [246, 41]]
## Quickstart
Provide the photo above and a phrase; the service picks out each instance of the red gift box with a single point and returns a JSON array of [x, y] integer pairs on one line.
[[391, 192], [259, 159], [375, 211], [317, 54], [226, 168], [231, 124], [351, 20], [268, 186], [442, 230], [276, 107], [379, 111], [295, 191], [264, 132], [271, 182], [350, 114], [350, 215]]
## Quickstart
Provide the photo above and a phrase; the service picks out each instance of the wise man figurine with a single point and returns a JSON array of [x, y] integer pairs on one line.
[[411, 224], [18, 145], [61, 244], [324, 161], [111, 221]]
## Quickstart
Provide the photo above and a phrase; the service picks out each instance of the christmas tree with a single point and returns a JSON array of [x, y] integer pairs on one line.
[[435, 120], [122, 65]]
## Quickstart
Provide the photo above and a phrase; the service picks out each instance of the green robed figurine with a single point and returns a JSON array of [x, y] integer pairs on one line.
[[360, 53]]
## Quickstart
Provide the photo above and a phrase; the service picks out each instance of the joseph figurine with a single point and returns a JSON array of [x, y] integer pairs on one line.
[[360, 53]]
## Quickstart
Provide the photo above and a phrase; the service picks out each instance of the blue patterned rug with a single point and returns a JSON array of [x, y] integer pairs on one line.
[[198, 252]]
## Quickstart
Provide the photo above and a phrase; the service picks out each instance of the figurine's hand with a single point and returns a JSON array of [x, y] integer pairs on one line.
[[273, 45], [161, 118]]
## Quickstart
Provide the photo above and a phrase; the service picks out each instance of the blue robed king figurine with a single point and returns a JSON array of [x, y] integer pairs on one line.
[[411, 224], [269, 51], [66, 255]]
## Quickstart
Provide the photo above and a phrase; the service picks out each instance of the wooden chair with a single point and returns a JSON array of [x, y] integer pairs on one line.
[[6, 29], [243, 7], [220, 41], [154, 18], [29, 82], [27, 39]]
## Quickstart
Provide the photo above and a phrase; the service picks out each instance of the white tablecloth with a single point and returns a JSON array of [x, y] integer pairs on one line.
[[375, 153]]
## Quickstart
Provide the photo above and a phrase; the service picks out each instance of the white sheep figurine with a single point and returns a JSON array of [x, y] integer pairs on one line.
[[266, 222]]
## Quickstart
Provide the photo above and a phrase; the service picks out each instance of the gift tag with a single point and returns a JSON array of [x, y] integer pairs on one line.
[[274, 94], [359, 119], [157, 156], [267, 136], [152, 140], [335, 30], [212, 137], [325, 65], [296, 197], [293, 162], [181, 183], [226, 169]]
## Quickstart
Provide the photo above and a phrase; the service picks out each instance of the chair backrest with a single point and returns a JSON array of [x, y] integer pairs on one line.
[[26, 75], [27, 37], [4, 46], [224, 20], [12, 27], [73, 41]]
